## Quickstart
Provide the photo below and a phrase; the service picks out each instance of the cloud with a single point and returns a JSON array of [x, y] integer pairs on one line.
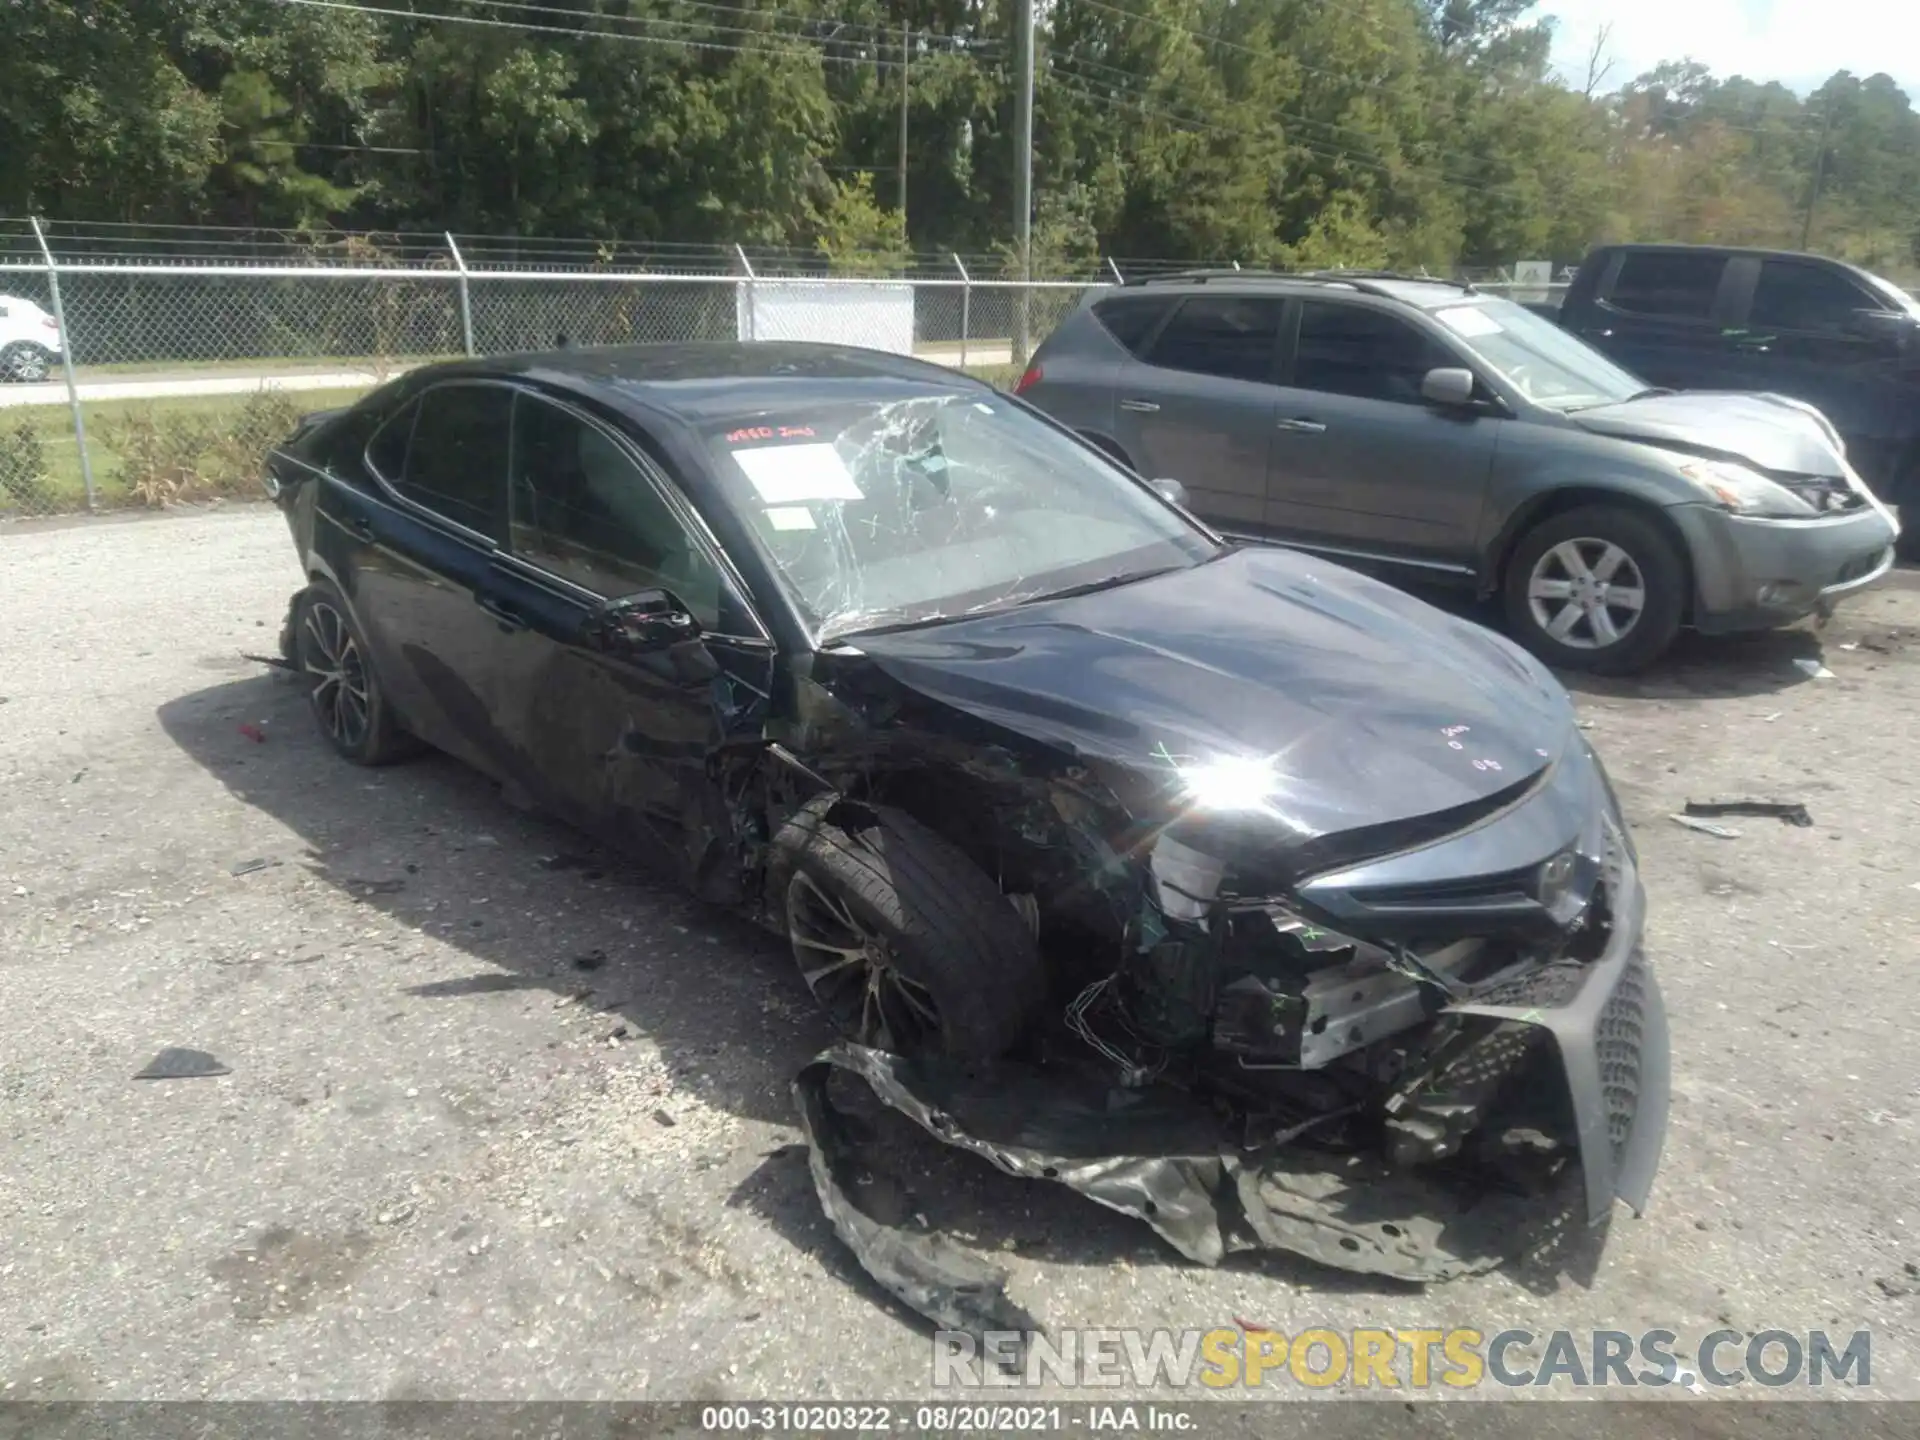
[[1799, 42]]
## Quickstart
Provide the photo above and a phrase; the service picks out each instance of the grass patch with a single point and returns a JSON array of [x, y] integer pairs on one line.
[[148, 452]]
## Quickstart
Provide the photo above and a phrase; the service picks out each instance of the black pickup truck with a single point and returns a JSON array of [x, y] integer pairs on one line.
[[1695, 317]]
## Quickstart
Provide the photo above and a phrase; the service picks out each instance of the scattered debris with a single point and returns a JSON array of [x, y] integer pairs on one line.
[[377, 887], [248, 867], [1157, 1154], [276, 662], [592, 960], [1791, 812], [1705, 827], [1773, 717], [1814, 669], [1898, 1287], [661, 1117], [565, 862], [77, 776], [253, 732], [1851, 645], [1251, 1328], [397, 1215], [176, 1063]]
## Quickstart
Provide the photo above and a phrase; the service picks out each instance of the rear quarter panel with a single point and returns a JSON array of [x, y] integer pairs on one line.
[[1080, 372]]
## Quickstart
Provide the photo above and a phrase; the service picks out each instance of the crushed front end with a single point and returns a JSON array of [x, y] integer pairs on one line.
[[1420, 1063], [1479, 1001]]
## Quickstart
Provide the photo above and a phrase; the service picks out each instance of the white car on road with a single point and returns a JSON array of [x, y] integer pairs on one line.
[[29, 340]]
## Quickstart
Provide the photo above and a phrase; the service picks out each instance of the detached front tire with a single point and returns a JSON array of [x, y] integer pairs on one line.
[[1600, 589], [343, 689], [907, 945]]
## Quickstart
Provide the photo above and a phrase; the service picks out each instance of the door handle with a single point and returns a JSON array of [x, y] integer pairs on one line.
[[1140, 407], [506, 615], [1302, 426], [361, 526]]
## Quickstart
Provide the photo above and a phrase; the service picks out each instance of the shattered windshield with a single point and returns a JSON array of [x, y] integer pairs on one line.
[[1547, 364], [908, 510]]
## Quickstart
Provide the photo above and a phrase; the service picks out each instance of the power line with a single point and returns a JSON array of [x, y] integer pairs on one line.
[[873, 35], [524, 25], [1344, 153], [1292, 115], [1224, 43]]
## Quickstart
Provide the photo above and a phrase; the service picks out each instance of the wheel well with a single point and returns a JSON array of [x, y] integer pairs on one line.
[[1575, 497]]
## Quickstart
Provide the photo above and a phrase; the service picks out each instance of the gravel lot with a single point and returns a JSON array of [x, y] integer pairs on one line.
[[504, 1123]]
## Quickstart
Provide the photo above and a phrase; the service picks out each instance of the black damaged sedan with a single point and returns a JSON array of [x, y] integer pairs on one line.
[[1236, 890]]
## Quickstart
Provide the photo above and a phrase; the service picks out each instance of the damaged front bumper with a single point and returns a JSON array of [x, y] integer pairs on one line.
[[1170, 1158]]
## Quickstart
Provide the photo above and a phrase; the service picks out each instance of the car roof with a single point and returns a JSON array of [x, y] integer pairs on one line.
[[704, 380], [1424, 291], [1728, 250]]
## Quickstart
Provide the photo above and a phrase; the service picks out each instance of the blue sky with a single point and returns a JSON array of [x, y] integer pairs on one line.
[[1798, 42]]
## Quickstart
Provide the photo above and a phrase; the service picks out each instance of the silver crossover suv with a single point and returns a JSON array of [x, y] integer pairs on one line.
[[1460, 437]]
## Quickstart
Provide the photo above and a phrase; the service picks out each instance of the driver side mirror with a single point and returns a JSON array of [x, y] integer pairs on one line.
[[1170, 490], [645, 623], [1449, 385]]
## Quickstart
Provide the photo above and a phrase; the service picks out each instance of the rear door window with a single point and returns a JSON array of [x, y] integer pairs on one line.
[[585, 510], [1791, 295], [387, 450], [1370, 355], [457, 456], [1132, 319], [1672, 284], [1231, 336]]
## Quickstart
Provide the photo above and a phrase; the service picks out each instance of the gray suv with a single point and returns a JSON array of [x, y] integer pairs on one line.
[[1454, 435]]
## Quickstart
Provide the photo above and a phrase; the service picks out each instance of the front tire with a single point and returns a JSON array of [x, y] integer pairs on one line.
[[26, 362], [907, 945], [344, 691], [1600, 589]]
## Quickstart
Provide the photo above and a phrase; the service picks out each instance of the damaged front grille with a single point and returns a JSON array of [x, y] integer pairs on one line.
[[1617, 1040]]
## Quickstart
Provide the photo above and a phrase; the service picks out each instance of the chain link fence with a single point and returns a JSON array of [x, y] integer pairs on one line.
[[146, 368]]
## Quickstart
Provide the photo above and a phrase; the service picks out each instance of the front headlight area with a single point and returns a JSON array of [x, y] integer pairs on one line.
[[1745, 491]]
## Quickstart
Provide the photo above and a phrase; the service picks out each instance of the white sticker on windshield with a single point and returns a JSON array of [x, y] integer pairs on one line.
[[784, 474], [1469, 320], [791, 517]]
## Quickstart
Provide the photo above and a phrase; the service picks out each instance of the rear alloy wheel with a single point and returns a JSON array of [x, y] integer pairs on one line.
[[28, 363], [344, 692], [908, 946], [1599, 589]]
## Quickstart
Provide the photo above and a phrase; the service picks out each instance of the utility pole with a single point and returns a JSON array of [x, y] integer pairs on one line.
[[1819, 174], [1023, 167], [906, 58]]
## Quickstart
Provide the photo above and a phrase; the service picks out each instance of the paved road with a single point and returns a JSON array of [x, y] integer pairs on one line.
[[157, 387], [504, 1125]]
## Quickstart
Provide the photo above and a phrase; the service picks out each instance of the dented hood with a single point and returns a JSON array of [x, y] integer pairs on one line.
[[1372, 707], [1769, 432]]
